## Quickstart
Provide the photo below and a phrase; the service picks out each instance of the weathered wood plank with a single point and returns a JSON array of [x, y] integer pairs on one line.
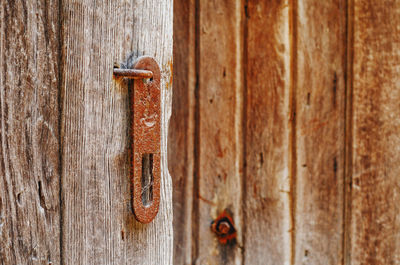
[[375, 189], [98, 225], [181, 130], [29, 134], [319, 80], [219, 143], [267, 142]]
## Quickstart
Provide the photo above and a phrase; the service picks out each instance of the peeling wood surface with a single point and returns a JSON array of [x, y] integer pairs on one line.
[[375, 188], [29, 133], [98, 225]]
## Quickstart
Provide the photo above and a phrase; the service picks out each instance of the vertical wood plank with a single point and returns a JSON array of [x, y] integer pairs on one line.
[[98, 225], [29, 134], [181, 130], [319, 80], [267, 220], [219, 143], [375, 189]]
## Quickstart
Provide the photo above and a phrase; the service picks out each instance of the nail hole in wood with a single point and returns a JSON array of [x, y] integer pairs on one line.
[[19, 198], [41, 196]]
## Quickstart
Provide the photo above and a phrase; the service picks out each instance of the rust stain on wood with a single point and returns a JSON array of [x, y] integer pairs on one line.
[[171, 74]]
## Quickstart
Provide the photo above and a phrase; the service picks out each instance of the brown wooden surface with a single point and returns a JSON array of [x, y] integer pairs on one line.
[[374, 218], [56, 72], [267, 220], [273, 108], [98, 225], [319, 87], [29, 133], [219, 144], [319, 104], [181, 130]]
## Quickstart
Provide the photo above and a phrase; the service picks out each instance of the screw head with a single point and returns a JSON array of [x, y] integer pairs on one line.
[[223, 227]]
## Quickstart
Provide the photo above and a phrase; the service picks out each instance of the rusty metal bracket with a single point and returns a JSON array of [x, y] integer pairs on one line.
[[146, 137]]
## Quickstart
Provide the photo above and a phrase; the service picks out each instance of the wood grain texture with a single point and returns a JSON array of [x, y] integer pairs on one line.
[[339, 61], [320, 119], [375, 190], [267, 220], [219, 148], [181, 130], [98, 225], [29, 134]]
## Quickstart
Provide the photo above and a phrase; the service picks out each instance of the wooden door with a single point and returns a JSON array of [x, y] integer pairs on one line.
[[65, 194], [286, 115]]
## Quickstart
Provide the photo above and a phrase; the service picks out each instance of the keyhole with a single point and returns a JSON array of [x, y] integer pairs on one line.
[[147, 179]]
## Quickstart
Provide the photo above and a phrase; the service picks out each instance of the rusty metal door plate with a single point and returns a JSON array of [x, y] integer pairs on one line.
[[146, 137]]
